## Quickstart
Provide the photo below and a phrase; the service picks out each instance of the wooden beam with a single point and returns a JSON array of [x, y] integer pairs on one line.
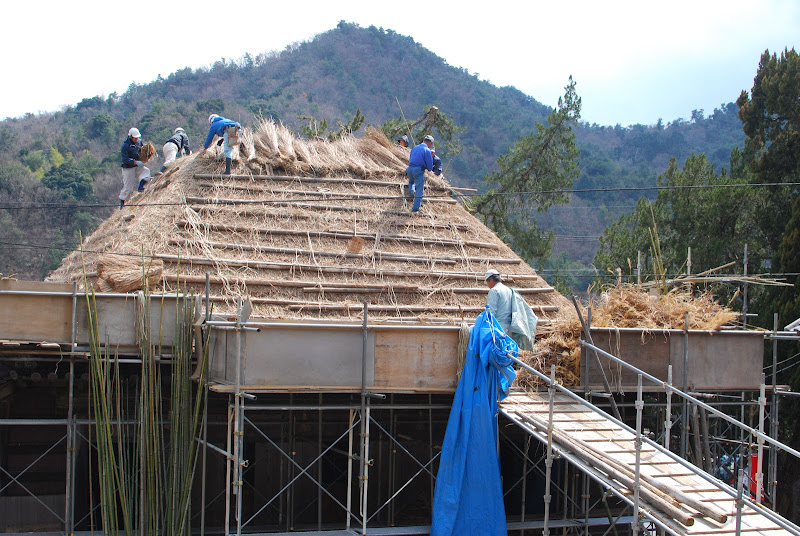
[[332, 180], [298, 305], [410, 308], [268, 212], [252, 212], [342, 234], [261, 282], [375, 272], [375, 254], [381, 255], [299, 204], [329, 195], [343, 289]]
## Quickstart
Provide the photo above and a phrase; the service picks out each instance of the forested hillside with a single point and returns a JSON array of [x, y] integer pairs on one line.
[[69, 158]]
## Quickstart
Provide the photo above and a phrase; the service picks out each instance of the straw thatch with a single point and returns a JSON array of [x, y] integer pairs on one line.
[[623, 306], [307, 229]]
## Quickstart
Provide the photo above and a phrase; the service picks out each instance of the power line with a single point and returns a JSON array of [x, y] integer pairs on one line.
[[22, 206]]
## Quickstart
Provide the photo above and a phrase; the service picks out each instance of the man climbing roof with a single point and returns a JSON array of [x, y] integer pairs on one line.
[[226, 129], [419, 160]]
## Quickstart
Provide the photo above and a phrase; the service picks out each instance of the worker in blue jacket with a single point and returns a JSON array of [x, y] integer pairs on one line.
[[133, 170], [420, 159], [218, 126]]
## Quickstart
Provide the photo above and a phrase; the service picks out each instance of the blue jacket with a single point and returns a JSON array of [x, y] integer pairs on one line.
[[421, 156], [181, 140], [217, 128], [130, 152], [437, 165]]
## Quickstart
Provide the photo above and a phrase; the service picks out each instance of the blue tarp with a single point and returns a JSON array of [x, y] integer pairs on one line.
[[469, 495]]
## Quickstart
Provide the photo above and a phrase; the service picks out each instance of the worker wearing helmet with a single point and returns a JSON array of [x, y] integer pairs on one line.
[[402, 141], [133, 169], [219, 126], [177, 145], [500, 299]]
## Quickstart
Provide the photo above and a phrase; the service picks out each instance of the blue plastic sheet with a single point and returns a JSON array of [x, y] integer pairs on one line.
[[469, 496]]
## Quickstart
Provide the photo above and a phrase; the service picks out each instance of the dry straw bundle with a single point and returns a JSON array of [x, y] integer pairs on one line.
[[123, 273], [623, 306], [147, 152]]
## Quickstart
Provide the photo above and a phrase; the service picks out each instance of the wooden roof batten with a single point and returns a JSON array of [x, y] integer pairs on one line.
[[307, 229]]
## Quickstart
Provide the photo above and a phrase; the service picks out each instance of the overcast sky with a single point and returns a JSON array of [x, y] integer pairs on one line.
[[633, 61]]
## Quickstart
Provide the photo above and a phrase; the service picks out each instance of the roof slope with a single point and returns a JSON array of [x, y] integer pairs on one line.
[[307, 229]]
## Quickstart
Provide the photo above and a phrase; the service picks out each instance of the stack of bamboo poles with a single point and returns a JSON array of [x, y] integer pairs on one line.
[[145, 474]]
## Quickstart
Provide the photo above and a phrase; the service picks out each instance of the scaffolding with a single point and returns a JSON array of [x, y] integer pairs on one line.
[[339, 460]]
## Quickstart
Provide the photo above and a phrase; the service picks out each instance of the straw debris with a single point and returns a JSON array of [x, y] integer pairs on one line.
[[623, 306]]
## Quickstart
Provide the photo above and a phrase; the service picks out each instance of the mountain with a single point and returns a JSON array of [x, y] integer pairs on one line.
[[69, 159]]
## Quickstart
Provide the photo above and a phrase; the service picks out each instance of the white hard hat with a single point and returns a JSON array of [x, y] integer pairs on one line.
[[211, 118], [490, 273], [134, 133], [179, 129]]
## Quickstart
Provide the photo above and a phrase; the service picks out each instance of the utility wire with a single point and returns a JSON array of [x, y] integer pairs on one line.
[[344, 197]]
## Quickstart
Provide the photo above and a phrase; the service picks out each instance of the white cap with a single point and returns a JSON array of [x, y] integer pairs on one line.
[[179, 129], [211, 118], [490, 273], [134, 133]]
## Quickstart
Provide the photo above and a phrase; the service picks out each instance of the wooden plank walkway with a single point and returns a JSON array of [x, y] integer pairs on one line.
[[671, 493]]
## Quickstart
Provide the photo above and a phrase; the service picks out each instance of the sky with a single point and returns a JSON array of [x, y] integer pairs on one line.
[[633, 61]]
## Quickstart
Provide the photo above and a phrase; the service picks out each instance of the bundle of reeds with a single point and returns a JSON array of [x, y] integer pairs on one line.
[[124, 273], [626, 306], [623, 306], [147, 152]]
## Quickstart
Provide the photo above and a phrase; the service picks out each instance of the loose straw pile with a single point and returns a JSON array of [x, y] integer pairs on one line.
[[623, 306]]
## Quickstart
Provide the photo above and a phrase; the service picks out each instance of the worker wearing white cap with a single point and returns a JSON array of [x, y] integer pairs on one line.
[[500, 299], [176, 146], [134, 171]]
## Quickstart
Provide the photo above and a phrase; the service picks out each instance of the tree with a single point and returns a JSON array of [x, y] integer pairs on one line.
[[434, 122], [69, 180], [536, 173], [703, 211], [771, 120]]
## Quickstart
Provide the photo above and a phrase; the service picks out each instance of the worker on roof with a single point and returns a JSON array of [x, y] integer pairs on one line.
[[177, 145], [403, 141], [419, 160], [133, 170], [500, 299], [228, 130]]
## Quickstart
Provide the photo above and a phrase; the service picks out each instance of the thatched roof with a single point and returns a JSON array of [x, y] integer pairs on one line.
[[307, 229]]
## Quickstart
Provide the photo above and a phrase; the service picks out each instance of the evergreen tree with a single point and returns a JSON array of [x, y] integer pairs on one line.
[[535, 174]]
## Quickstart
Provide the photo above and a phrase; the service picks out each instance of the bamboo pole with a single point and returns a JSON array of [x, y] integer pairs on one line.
[[338, 233], [327, 195], [317, 286], [377, 272], [391, 180], [376, 254]]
